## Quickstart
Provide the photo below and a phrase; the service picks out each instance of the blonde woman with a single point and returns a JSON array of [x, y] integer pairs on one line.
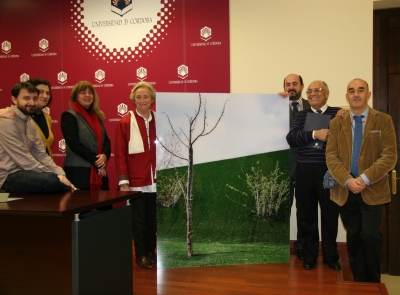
[[135, 160]]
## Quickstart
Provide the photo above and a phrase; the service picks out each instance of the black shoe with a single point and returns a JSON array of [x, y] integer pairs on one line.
[[151, 257], [300, 254], [335, 265], [309, 264], [143, 262]]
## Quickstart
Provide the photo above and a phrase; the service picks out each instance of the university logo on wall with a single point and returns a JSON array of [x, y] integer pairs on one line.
[[62, 77], [141, 73], [127, 32], [99, 76], [122, 109], [205, 33], [62, 145], [6, 47], [24, 77], [121, 7], [43, 45], [183, 71]]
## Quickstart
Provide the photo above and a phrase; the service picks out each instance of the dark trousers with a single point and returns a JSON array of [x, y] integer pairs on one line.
[[26, 181], [364, 240], [310, 192], [80, 177], [144, 227]]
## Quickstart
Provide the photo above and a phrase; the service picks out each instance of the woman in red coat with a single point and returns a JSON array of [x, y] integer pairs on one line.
[[135, 160]]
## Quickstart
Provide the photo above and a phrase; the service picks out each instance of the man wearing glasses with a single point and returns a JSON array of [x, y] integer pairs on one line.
[[310, 139]]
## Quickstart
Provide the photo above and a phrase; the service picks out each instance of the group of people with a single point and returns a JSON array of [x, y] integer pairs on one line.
[[27, 166], [357, 149], [353, 151]]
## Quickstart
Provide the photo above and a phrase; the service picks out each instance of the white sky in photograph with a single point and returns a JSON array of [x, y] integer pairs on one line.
[[252, 124]]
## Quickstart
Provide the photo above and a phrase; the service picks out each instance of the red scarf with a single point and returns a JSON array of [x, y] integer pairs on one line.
[[91, 118]]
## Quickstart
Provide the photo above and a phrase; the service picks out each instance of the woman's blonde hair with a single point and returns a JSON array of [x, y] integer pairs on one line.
[[95, 106], [143, 84]]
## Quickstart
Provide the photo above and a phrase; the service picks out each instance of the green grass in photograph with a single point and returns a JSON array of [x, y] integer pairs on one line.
[[173, 254], [224, 218], [223, 215]]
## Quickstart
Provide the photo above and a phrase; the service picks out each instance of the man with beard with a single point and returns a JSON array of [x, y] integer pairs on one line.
[[25, 167], [293, 87]]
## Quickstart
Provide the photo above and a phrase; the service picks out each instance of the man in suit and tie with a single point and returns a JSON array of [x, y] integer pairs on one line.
[[361, 150], [310, 170], [293, 87]]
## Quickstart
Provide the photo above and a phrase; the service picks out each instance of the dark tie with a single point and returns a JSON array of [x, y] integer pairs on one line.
[[356, 145], [319, 112], [295, 110]]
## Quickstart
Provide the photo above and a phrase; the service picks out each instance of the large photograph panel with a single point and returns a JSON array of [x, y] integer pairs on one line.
[[222, 179]]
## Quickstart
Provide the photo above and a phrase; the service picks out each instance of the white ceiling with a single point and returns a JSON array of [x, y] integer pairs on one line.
[[384, 4]]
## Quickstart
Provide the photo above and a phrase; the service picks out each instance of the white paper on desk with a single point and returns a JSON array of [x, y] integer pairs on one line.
[[13, 199], [4, 198]]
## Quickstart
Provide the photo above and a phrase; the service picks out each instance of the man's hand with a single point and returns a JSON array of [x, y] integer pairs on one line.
[[340, 112], [64, 180], [283, 94], [321, 134], [356, 185], [7, 113]]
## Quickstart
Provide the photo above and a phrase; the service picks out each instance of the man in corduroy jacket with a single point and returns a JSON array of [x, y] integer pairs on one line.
[[361, 172]]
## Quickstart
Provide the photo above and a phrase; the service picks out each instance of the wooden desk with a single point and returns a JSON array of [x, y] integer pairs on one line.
[[45, 249]]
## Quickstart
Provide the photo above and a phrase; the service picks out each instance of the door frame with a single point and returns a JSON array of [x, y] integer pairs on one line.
[[386, 67]]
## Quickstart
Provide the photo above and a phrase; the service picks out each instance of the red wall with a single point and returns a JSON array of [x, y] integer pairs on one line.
[[56, 27]]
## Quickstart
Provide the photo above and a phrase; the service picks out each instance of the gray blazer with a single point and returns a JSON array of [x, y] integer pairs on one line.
[[87, 138]]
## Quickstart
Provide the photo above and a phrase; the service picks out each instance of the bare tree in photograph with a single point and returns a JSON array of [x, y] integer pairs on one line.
[[188, 139]]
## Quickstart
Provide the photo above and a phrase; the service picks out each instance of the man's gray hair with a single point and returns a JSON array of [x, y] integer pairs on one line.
[[323, 82]]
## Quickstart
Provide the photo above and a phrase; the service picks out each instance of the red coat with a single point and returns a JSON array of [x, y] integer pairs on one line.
[[135, 167]]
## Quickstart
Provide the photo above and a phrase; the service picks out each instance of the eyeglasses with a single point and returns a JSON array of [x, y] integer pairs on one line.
[[316, 90]]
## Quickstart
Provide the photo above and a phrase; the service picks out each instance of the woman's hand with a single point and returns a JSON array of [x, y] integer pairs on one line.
[[101, 161], [102, 172], [124, 187], [7, 113]]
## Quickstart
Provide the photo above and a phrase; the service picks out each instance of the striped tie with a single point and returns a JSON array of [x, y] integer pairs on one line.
[[356, 145]]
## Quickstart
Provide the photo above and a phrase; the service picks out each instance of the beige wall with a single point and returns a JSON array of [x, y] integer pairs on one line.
[[319, 39]]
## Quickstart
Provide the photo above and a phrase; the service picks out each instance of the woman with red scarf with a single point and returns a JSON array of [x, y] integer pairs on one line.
[[88, 146]]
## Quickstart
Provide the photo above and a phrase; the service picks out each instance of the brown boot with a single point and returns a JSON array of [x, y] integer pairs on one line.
[[143, 262], [151, 257]]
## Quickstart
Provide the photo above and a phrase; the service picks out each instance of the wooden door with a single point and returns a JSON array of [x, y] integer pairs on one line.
[[386, 98]]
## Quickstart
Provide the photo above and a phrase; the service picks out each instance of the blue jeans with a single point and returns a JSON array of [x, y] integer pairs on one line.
[[26, 181]]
